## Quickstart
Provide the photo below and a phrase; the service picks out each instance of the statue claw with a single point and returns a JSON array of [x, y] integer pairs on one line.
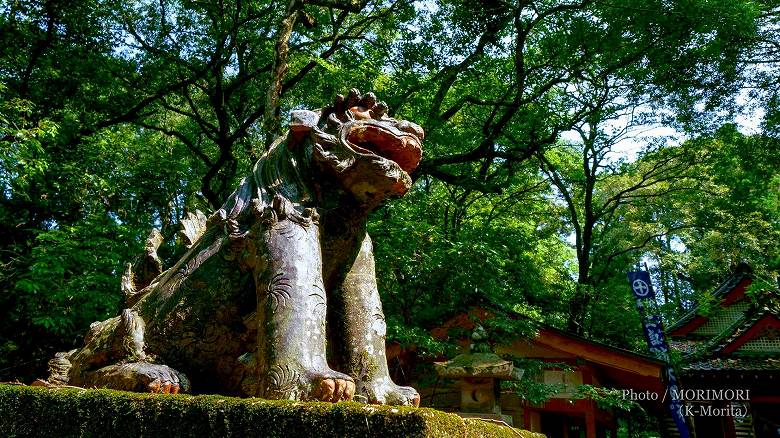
[[349, 392], [335, 390], [163, 387], [385, 392]]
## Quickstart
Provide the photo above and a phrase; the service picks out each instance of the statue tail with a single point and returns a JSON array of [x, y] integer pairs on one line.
[[59, 367]]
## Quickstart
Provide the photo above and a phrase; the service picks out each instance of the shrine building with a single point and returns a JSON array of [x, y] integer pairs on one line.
[[573, 361], [730, 370], [728, 367]]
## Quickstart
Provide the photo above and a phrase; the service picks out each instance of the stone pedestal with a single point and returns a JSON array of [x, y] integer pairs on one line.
[[479, 394]]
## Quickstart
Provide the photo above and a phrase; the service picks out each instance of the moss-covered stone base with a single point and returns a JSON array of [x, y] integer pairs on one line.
[[40, 412]]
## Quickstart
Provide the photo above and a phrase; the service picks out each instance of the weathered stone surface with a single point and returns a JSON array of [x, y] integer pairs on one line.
[[193, 225], [303, 120], [244, 310], [478, 365]]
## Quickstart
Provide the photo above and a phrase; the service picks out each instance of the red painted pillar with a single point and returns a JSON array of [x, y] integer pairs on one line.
[[590, 420], [526, 418]]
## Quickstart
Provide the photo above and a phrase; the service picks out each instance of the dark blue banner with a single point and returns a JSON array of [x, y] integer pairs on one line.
[[675, 404], [654, 334], [641, 285], [655, 337]]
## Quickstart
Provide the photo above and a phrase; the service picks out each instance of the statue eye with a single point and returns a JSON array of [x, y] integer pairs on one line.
[[411, 128]]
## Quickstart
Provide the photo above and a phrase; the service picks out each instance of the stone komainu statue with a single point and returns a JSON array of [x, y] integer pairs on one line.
[[244, 310]]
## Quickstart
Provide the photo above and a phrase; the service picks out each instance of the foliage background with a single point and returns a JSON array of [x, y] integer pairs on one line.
[[540, 185]]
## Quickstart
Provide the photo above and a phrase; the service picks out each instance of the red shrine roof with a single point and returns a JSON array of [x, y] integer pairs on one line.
[[739, 364], [743, 334], [731, 291], [619, 367]]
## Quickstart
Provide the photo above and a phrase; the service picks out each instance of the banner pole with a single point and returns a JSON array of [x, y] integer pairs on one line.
[[652, 326]]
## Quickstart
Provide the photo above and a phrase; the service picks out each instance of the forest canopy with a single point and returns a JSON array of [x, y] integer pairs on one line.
[[545, 174]]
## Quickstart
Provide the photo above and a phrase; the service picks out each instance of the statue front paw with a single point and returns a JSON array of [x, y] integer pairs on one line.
[[382, 391], [139, 377], [294, 383]]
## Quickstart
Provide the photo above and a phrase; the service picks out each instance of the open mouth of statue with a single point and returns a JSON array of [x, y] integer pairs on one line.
[[391, 144]]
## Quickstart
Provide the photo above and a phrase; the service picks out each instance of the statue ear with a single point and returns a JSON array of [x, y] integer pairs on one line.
[[301, 124]]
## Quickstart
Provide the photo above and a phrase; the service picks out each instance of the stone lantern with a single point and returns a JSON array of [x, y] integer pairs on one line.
[[479, 376]]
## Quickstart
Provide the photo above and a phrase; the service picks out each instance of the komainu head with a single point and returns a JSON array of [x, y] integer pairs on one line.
[[356, 143]]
